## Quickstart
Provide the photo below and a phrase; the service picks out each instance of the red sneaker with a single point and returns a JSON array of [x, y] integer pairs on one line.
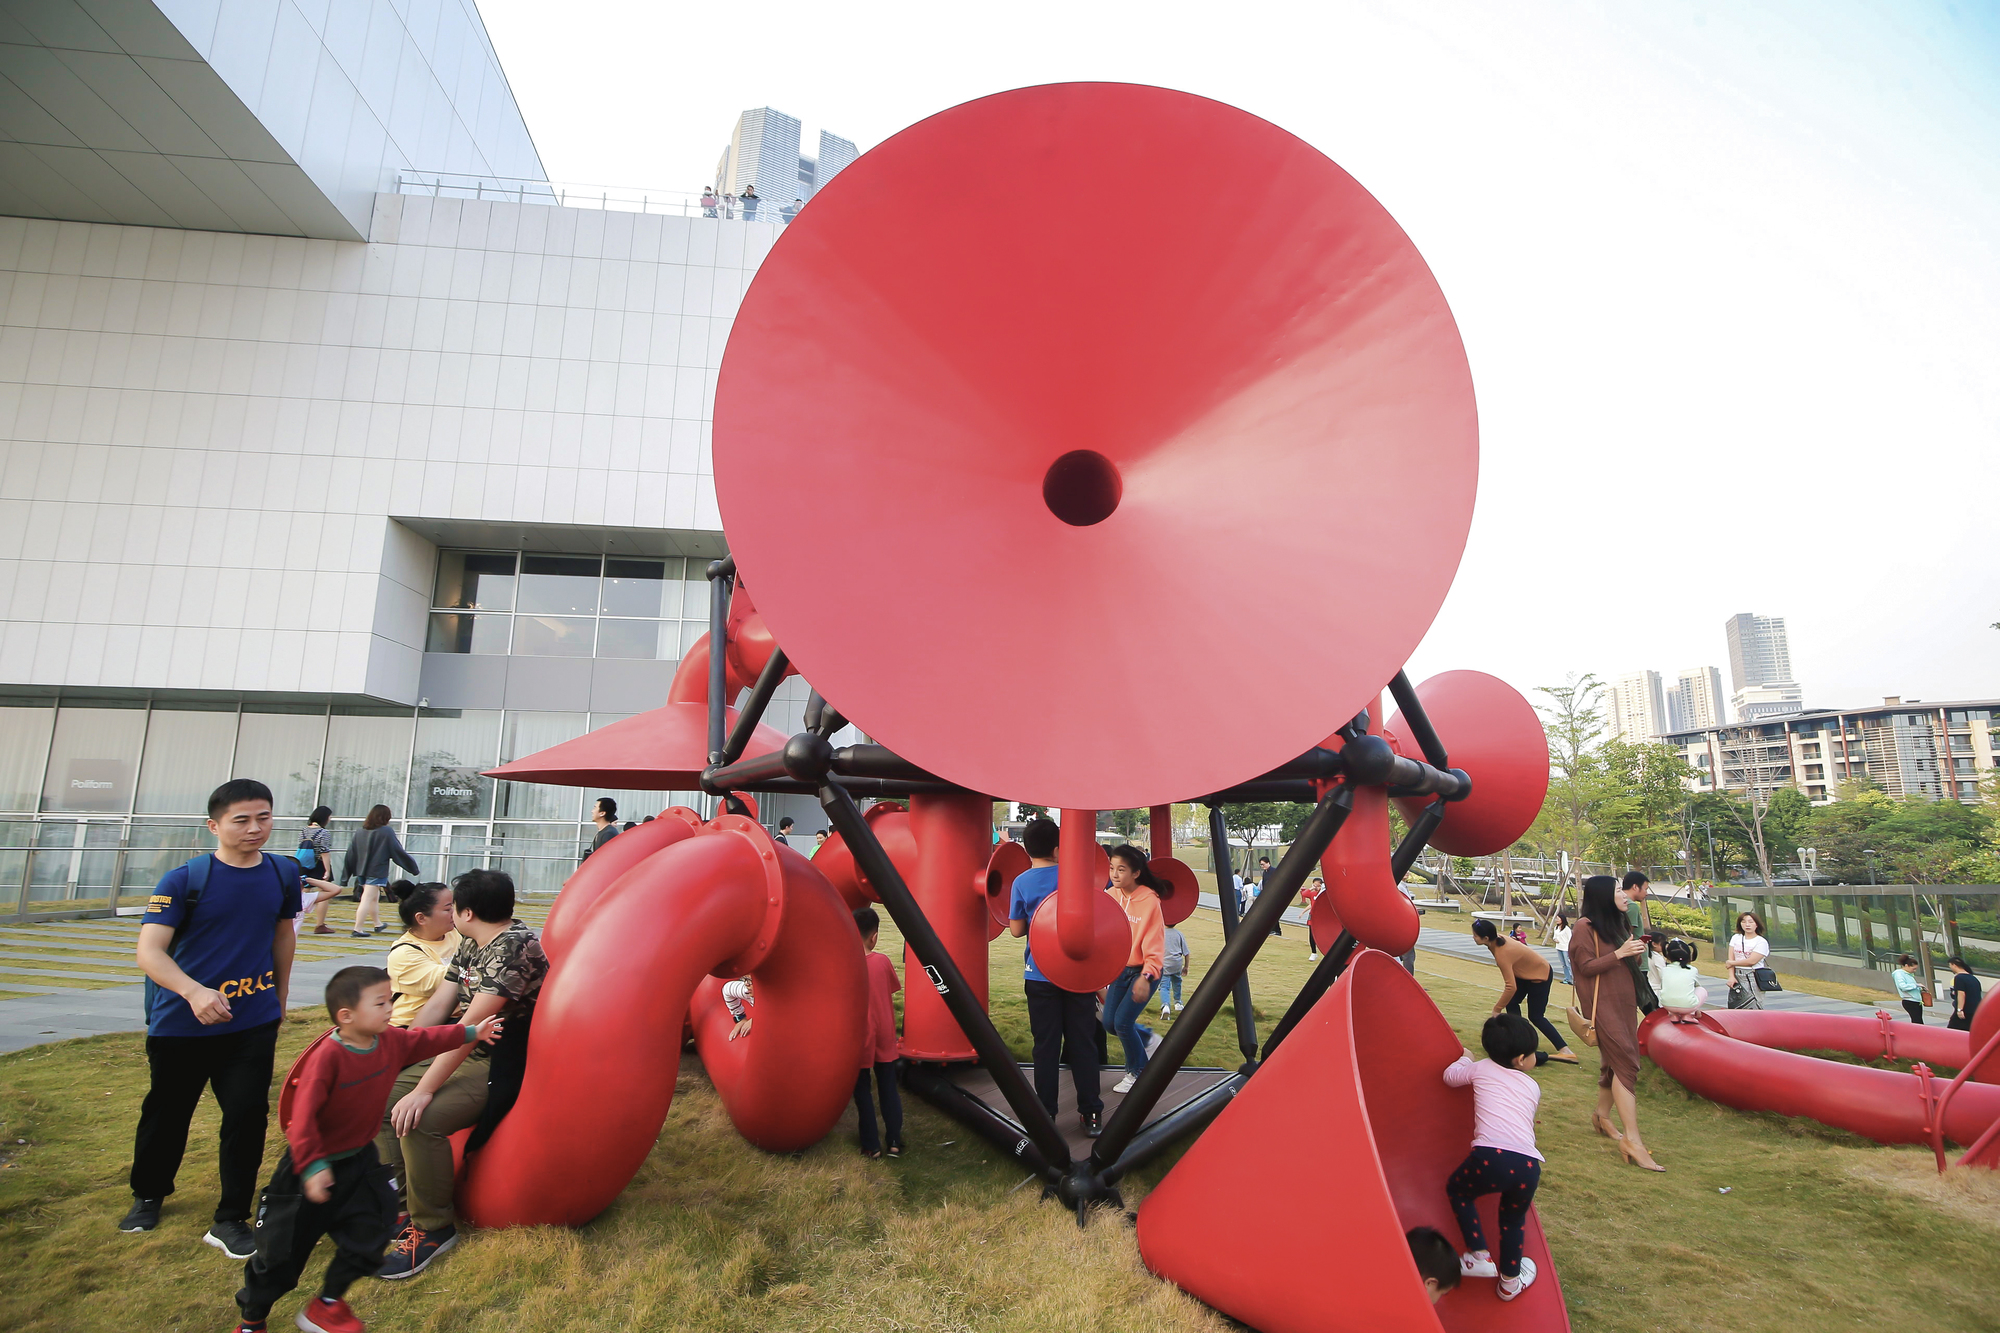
[[324, 1316]]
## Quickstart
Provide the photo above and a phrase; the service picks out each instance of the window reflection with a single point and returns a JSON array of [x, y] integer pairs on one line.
[[651, 639], [475, 580], [554, 636], [559, 583], [640, 588]]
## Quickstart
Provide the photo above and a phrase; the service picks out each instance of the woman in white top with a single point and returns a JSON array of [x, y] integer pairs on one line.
[[1560, 938], [1748, 951]]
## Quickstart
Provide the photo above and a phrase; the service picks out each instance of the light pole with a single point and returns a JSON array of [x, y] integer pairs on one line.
[[1809, 918]]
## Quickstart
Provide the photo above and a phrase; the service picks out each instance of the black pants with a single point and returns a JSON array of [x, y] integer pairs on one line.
[[360, 1216], [238, 1066], [1915, 1009], [1511, 1175], [892, 1107], [1065, 1025], [1536, 993]]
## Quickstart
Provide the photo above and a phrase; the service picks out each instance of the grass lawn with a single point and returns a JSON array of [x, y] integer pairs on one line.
[[1819, 1230]]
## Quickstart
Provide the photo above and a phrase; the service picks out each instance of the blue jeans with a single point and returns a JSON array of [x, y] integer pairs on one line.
[[1562, 961], [1169, 990], [1121, 1015]]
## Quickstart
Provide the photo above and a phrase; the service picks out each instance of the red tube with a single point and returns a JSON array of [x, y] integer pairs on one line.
[[954, 842], [1742, 1070], [1076, 868], [1160, 822], [601, 1061], [581, 891], [1360, 888]]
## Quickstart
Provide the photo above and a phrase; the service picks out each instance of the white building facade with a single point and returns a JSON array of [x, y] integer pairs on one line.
[[1635, 708], [355, 516]]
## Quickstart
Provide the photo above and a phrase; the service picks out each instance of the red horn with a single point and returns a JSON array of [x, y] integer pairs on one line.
[[1496, 737]]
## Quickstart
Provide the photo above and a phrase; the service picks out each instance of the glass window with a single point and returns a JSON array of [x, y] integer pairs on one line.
[[642, 588], [563, 584], [554, 636], [694, 592], [280, 745], [691, 632], [453, 745], [188, 751], [467, 634], [367, 760], [93, 758], [531, 733], [24, 752], [475, 580], [539, 856], [659, 639]]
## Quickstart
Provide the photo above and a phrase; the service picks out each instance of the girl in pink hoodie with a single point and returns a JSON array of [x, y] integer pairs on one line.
[[1135, 888]]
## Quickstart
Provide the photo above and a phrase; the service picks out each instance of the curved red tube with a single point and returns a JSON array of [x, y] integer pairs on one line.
[[581, 891], [609, 1021], [1742, 1070], [1360, 888]]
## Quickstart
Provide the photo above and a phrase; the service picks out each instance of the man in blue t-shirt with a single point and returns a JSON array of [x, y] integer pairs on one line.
[[1062, 1021], [222, 965]]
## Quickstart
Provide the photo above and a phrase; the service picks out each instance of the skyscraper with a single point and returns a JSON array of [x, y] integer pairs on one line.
[[1694, 700], [764, 150], [1760, 667], [1635, 708]]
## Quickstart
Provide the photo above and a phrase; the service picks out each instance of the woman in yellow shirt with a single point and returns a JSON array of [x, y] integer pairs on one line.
[[419, 957]]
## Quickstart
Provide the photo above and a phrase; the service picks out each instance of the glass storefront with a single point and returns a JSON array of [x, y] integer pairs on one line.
[[101, 797], [528, 605]]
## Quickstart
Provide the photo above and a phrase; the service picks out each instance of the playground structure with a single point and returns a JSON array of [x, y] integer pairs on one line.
[[921, 405]]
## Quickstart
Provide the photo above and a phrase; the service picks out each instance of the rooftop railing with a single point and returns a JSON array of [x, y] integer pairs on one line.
[[566, 194]]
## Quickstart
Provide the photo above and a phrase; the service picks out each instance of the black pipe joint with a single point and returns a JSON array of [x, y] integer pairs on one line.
[[1368, 761], [808, 757]]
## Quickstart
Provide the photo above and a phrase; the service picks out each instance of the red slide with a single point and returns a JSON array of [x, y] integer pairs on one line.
[[1293, 1223], [725, 900], [1742, 1058]]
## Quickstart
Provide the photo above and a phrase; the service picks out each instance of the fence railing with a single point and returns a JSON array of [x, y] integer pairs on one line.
[[609, 198]]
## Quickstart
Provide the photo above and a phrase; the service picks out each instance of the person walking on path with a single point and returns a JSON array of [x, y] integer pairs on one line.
[[1524, 976], [315, 838], [1965, 994], [216, 945], [1603, 951], [1136, 890], [1909, 988], [368, 859], [1560, 937], [605, 816], [1061, 1021]]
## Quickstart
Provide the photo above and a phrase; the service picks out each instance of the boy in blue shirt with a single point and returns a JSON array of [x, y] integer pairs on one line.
[[219, 950], [1058, 1018]]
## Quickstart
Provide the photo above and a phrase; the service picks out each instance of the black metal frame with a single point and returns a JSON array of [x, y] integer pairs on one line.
[[809, 764]]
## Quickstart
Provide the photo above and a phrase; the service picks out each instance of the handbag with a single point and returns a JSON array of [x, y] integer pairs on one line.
[[1586, 1028], [1767, 979]]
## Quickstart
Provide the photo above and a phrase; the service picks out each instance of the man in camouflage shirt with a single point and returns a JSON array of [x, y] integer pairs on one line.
[[497, 970]]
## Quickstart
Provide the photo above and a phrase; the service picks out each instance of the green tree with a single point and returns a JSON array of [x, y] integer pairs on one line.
[[1641, 792], [1574, 726]]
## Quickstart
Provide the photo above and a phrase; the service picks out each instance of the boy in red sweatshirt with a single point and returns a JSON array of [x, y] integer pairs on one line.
[[878, 1049], [341, 1190]]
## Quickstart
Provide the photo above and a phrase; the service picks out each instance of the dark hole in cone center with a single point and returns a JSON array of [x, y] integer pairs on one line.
[[1082, 487]]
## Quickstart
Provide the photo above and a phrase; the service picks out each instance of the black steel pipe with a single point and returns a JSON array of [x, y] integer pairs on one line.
[[720, 574], [1225, 897], [878, 761], [1262, 789], [936, 1087], [1174, 1126], [1317, 762], [1418, 721], [753, 708], [1413, 843], [951, 985], [1230, 965]]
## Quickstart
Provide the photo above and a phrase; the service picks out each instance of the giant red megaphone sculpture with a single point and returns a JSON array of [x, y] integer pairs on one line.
[[993, 458]]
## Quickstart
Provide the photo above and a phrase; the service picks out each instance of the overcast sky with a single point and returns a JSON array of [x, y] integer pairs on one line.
[[1728, 275]]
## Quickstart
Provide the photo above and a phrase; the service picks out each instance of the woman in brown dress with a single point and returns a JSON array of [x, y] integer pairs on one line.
[[1600, 951]]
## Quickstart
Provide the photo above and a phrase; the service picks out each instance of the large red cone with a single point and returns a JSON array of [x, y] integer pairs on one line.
[[1339, 1144]]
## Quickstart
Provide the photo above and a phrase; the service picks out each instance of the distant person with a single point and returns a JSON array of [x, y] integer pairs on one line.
[[1638, 888], [1136, 890], [785, 830], [1560, 937], [708, 203], [1604, 955], [1965, 994], [328, 1181], [728, 205], [1061, 1021], [1307, 899], [819, 838], [1174, 963], [749, 200], [316, 840], [216, 945], [368, 860], [879, 1049], [605, 816], [1504, 1159], [1748, 951], [1525, 977], [791, 210], [1910, 988]]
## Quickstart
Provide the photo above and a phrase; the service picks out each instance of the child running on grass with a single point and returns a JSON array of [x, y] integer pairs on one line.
[[1503, 1160], [878, 1051], [341, 1190]]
